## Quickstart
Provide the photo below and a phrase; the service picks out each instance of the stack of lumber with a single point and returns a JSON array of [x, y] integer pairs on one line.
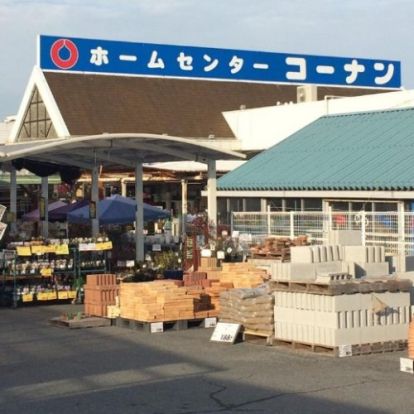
[[277, 247], [252, 308], [101, 291]]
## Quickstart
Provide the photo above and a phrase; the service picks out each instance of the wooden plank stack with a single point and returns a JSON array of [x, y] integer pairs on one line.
[[101, 291]]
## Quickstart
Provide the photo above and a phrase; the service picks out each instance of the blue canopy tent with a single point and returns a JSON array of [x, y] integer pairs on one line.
[[60, 214], [116, 210]]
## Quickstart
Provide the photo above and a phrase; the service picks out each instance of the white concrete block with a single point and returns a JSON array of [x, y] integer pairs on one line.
[[301, 254], [337, 253], [345, 237], [347, 319], [316, 254], [302, 271], [328, 267], [355, 254], [323, 254], [371, 269]]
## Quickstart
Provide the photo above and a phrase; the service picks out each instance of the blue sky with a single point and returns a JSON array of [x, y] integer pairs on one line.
[[380, 29]]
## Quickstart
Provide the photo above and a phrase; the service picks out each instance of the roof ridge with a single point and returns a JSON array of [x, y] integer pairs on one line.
[[371, 112]]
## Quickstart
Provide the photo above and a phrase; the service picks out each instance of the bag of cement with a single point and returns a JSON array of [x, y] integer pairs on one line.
[[258, 321], [256, 308]]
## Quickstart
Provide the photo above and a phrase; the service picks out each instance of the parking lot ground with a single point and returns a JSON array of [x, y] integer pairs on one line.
[[46, 369]]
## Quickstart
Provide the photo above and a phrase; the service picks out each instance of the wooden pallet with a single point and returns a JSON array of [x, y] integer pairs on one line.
[[88, 322], [176, 325], [362, 349], [249, 335]]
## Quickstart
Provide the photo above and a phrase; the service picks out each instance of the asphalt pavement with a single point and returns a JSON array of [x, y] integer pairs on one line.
[[46, 369]]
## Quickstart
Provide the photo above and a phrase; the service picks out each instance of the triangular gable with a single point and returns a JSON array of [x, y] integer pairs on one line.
[[36, 122], [39, 116]]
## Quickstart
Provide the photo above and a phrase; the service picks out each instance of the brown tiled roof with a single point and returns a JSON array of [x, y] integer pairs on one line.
[[93, 104]]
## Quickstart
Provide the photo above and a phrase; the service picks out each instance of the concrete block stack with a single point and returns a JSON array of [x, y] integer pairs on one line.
[[101, 291], [347, 319], [309, 262], [252, 308], [366, 260]]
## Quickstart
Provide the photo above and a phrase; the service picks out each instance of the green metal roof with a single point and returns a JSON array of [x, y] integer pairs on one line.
[[358, 151]]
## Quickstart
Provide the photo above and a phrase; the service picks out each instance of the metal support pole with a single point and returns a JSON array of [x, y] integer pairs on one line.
[[292, 224], [212, 196], [139, 215], [123, 188], [364, 227], [45, 196], [95, 199], [13, 198], [269, 231], [184, 206], [401, 236]]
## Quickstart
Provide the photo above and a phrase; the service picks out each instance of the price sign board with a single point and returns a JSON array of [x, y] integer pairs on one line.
[[225, 332]]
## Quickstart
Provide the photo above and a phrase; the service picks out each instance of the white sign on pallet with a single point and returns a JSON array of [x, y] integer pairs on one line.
[[210, 322], [157, 327], [344, 351], [225, 332], [407, 365]]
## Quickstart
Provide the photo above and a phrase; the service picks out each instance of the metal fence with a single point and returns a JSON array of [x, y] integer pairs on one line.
[[393, 230]]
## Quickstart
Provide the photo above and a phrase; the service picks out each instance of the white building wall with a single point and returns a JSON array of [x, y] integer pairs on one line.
[[261, 128]]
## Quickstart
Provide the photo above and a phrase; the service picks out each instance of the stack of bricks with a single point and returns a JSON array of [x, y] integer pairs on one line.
[[101, 291], [277, 247], [162, 300], [168, 300], [194, 278]]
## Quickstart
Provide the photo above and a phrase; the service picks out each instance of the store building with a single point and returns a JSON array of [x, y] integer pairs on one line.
[[345, 162], [81, 96]]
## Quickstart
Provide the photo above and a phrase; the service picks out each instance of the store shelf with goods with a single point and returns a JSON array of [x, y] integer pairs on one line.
[[37, 272], [40, 271]]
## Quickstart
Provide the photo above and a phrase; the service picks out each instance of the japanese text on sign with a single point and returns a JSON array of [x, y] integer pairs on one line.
[[104, 56]]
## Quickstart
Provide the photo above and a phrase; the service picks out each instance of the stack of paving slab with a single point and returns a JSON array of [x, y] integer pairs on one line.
[[252, 308], [375, 316], [311, 263]]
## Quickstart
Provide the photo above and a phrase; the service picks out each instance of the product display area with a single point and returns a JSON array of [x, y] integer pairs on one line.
[[45, 270]]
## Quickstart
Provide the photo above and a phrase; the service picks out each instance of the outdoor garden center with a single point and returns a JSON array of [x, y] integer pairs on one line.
[[156, 201]]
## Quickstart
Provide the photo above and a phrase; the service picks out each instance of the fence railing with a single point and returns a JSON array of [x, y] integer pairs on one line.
[[393, 230]]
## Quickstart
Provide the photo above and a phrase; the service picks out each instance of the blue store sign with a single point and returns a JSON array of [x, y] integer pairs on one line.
[[146, 59]]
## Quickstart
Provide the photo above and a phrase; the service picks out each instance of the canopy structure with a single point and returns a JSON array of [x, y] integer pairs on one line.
[[115, 150], [34, 215], [60, 214], [116, 210], [128, 150]]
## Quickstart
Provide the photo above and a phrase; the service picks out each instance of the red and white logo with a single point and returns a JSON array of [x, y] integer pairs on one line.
[[64, 47]]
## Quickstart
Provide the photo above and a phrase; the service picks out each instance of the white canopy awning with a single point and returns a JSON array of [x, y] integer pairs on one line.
[[115, 150]]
